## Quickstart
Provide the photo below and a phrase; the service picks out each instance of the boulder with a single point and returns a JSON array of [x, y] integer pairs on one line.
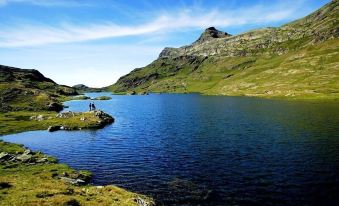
[[54, 106], [24, 158], [104, 117], [73, 181], [42, 160], [27, 152], [40, 117], [142, 202], [53, 128], [132, 93], [4, 156], [65, 114]]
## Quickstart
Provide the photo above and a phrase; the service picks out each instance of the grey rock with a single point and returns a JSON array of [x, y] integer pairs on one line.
[[24, 158], [40, 117], [65, 115], [73, 181], [27, 152], [4, 156], [42, 160], [142, 202]]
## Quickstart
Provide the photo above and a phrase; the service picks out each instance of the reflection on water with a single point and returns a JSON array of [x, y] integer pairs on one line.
[[192, 149]]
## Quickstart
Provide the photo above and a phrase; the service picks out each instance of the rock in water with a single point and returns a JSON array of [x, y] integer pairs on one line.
[[104, 117]]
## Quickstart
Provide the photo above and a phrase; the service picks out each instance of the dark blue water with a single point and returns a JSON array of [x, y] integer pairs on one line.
[[207, 150]]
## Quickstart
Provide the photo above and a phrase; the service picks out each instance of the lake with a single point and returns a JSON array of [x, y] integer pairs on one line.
[[207, 150]]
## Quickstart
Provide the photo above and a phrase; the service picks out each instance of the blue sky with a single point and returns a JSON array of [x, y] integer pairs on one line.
[[94, 42]]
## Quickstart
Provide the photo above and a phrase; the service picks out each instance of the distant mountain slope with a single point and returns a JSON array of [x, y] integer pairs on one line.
[[28, 89], [81, 88], [299, 60]]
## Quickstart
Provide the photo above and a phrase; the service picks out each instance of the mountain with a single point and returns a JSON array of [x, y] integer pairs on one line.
[[28, 89], [81, 88], [296, 60]]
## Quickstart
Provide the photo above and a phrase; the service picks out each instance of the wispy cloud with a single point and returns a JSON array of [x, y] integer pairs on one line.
[[33, 35], [48, 3]]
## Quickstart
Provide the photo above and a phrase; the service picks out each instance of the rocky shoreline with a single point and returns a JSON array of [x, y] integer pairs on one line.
[[103, 119], [41, 180]]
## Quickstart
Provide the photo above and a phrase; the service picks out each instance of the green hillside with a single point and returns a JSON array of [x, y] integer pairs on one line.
[[297, 60], [28, 89]]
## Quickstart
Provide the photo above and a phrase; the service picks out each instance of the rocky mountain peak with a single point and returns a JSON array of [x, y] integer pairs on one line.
[[211, 33]]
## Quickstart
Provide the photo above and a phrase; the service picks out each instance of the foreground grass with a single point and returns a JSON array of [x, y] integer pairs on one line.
[[37, 184]]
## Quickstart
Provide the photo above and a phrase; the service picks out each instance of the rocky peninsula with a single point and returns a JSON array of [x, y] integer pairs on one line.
[[30, 101]]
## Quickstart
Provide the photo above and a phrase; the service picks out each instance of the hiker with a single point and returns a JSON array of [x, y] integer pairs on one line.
[[93, 106], [90, 106]]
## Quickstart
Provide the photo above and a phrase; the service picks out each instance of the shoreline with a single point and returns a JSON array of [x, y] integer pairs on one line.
[[53, 183], [279, 98]]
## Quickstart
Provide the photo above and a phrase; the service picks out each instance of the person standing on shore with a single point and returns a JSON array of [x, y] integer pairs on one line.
[[93, 106], [90, 106]]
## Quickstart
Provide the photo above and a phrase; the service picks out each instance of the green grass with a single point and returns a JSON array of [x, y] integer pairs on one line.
[[310, 73]]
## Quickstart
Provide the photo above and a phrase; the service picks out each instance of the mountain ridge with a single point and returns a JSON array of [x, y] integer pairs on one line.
[[204, 66]]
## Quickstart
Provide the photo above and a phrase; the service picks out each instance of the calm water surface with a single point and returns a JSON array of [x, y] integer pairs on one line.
[[206, 150]]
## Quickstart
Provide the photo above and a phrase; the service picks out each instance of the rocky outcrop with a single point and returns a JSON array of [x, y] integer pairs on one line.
[[104, 118], [314, 28], [80, 120], [27, 157], [211, 33]]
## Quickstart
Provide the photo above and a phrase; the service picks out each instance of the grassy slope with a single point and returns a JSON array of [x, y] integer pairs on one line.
[[309, 73], [307, 67], [24, 89]]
